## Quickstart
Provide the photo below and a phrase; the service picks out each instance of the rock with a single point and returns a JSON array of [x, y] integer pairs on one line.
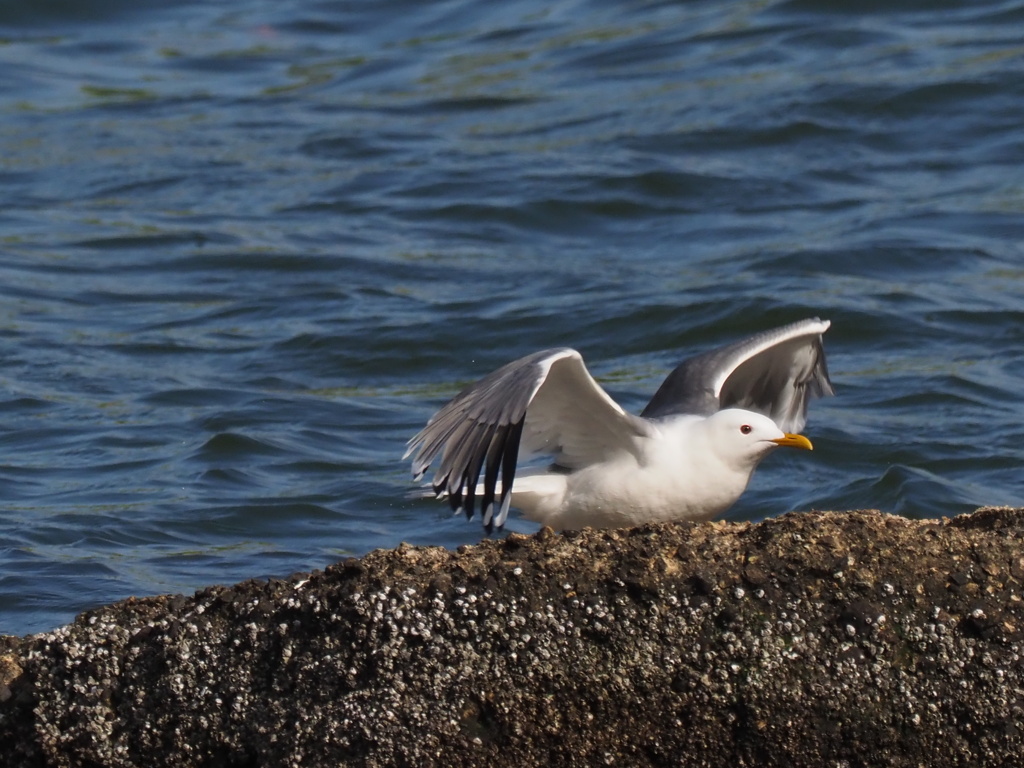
[[814, 639]]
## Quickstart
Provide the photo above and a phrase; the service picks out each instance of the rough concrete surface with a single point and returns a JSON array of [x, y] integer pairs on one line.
[[815, 639]]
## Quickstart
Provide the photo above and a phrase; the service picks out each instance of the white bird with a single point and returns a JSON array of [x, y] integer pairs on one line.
[[688, 456]]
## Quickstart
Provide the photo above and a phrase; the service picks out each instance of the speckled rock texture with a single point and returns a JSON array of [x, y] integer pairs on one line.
[[815, 639]]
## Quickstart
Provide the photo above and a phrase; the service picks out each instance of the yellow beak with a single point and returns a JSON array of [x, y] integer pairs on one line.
[[794, 441]]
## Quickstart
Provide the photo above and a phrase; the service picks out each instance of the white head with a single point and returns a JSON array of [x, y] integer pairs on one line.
[[742, 438]]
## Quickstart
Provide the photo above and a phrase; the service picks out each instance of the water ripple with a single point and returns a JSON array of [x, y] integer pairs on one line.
[[246, 252]]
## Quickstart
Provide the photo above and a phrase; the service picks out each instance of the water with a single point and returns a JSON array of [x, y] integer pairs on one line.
[[247, 248]]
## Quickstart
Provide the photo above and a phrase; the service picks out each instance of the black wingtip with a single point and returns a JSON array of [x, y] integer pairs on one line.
[[492, 465], [455, 499], [488, 518]]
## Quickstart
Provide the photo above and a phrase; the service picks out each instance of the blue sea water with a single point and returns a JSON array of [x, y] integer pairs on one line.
[[247, 248]]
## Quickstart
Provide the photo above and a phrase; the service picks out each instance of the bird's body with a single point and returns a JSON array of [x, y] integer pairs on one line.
[[688, 456], [655, 481]]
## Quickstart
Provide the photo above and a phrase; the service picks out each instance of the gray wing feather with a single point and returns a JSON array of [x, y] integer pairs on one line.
[[775, 373], [546, 402]]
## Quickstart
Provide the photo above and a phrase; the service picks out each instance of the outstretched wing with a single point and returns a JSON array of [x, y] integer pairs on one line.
[[774, 373], [545, 403]]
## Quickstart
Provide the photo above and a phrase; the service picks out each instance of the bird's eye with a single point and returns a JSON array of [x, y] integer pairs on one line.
[[746, 429]]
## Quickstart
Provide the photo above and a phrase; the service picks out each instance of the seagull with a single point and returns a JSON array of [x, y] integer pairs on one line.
[[688, 456]]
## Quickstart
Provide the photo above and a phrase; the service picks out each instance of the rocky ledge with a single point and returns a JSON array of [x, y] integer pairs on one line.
[[815, 639]]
